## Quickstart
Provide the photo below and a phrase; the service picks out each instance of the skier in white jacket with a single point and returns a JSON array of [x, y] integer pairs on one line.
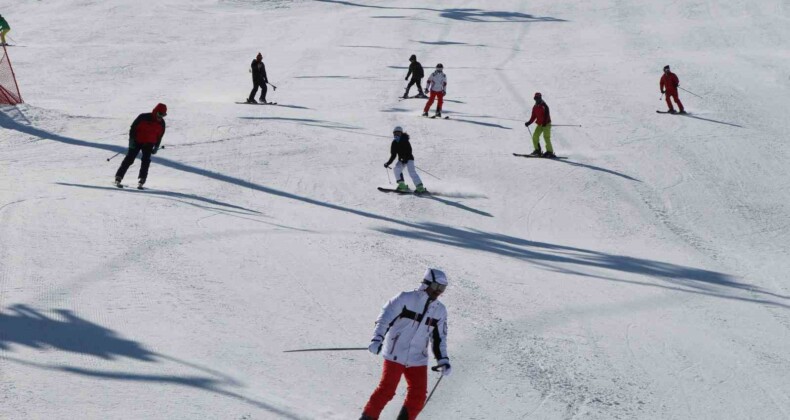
[[407, 325], [436, 86]]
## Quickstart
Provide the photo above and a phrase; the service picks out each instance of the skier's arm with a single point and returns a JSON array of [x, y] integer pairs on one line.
[[159, 140], [405, 151], [411, 66], [133, 128], [263, 73], [439, 341], [532, 118], [393, 152], [661, 84], [389, 313]]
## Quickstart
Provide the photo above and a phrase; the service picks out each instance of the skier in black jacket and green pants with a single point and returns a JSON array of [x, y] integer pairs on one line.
[[401, 148]]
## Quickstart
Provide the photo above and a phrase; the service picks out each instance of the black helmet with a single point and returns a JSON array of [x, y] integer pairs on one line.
[[413, 58], [666, 67], [439, 66]]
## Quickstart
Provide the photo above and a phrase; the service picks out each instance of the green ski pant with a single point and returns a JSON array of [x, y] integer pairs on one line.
[[546, 131]]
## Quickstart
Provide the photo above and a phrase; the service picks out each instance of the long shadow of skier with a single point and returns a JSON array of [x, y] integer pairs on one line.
[[696, 117], [465, 15], [24, 326]]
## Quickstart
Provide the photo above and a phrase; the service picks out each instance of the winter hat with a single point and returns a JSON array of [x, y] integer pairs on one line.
[[160, 109], [397, 129], [666, 67], [259, 55], [434, 279], [413, 58], [537, 96], [439, 66]]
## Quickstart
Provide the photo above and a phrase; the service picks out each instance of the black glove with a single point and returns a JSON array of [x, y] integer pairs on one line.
[[444, 367], [387, 165], [156, 149], [662, 91], [526, 124], [406, 78]]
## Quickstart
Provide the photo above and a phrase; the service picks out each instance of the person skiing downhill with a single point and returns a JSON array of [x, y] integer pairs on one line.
[[669, 86], [4, 29], [542, 117], [401, 148], [259, 79], [436, 86], [406, 326], [145, 135], [417, 73]]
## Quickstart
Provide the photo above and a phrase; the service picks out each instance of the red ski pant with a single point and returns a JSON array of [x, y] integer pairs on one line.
[[417, 388], [439, 95], [673, 95]]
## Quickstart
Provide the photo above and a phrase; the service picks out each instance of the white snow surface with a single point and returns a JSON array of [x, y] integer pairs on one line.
[[643, 277]]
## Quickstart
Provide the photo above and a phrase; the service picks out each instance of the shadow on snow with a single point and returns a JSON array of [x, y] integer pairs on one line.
[[464, 15]]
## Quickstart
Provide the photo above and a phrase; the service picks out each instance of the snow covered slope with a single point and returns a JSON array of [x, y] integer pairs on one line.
[[643, 277]]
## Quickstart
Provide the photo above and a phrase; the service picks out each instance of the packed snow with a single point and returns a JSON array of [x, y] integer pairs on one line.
[[645, 276]]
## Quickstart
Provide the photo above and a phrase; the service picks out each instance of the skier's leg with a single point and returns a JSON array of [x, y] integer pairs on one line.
[[2, 35], [146, 162], [253, 92], [536, 137], [390, 377], [416, 391], [441, 101], [547, 137], [677, 101], [408, 88], [669, 104], [131, 155], [398, 171], [413, 173], [430, 102], [419, 86], [264, 89]]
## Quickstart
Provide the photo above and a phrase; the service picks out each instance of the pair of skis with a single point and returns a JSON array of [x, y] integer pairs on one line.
[[257, 103], [409, 192]]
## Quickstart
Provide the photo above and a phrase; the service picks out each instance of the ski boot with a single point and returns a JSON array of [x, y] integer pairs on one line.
[[262, 101], [425, 114], [537, 152], [420, 189], [140, 184], [118, 183], [683, 112], [402, 187], [549, 154], [672, 111], [251, 101], [438, 114], [366, 417], [422, 96], [404, 414]]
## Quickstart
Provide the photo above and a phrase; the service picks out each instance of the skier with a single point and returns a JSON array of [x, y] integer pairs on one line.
[[542, 117], [404, 328], [669, 85], [145, 135], [401, 148], [258, 79], [4, 29], [436, 87], [417, 73]]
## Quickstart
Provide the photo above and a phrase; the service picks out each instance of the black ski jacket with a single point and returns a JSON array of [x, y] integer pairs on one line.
[[415, 70], [402, 149], [259, 74]]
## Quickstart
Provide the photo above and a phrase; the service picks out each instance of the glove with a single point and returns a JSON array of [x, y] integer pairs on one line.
[[526, 124], [444, 367], [662, 91], [387, 165], [156, 149], [375, 346], [444, 92], [406, 78], [132, 143]]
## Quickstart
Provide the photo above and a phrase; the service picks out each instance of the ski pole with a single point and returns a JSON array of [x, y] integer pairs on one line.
[[434, 389], [388, 175], [684, 90], [327, 349], [111, 157], [427, 172], [273, 86], [566, 125]]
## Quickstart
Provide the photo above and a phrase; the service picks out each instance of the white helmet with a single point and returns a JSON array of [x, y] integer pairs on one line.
[[434, 279]]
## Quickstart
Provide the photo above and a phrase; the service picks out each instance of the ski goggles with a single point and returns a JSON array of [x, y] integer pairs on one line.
[[436, 287]]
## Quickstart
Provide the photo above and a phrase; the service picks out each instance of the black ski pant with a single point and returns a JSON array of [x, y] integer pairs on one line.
[[255, 85], [134, 149], [414, 81]]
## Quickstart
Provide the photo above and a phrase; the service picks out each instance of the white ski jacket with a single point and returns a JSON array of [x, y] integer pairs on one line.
[[409, 322], [437, 82]]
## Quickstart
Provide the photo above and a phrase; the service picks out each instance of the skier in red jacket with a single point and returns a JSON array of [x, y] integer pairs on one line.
[[146, 136], [669, 85], [542, 117]]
